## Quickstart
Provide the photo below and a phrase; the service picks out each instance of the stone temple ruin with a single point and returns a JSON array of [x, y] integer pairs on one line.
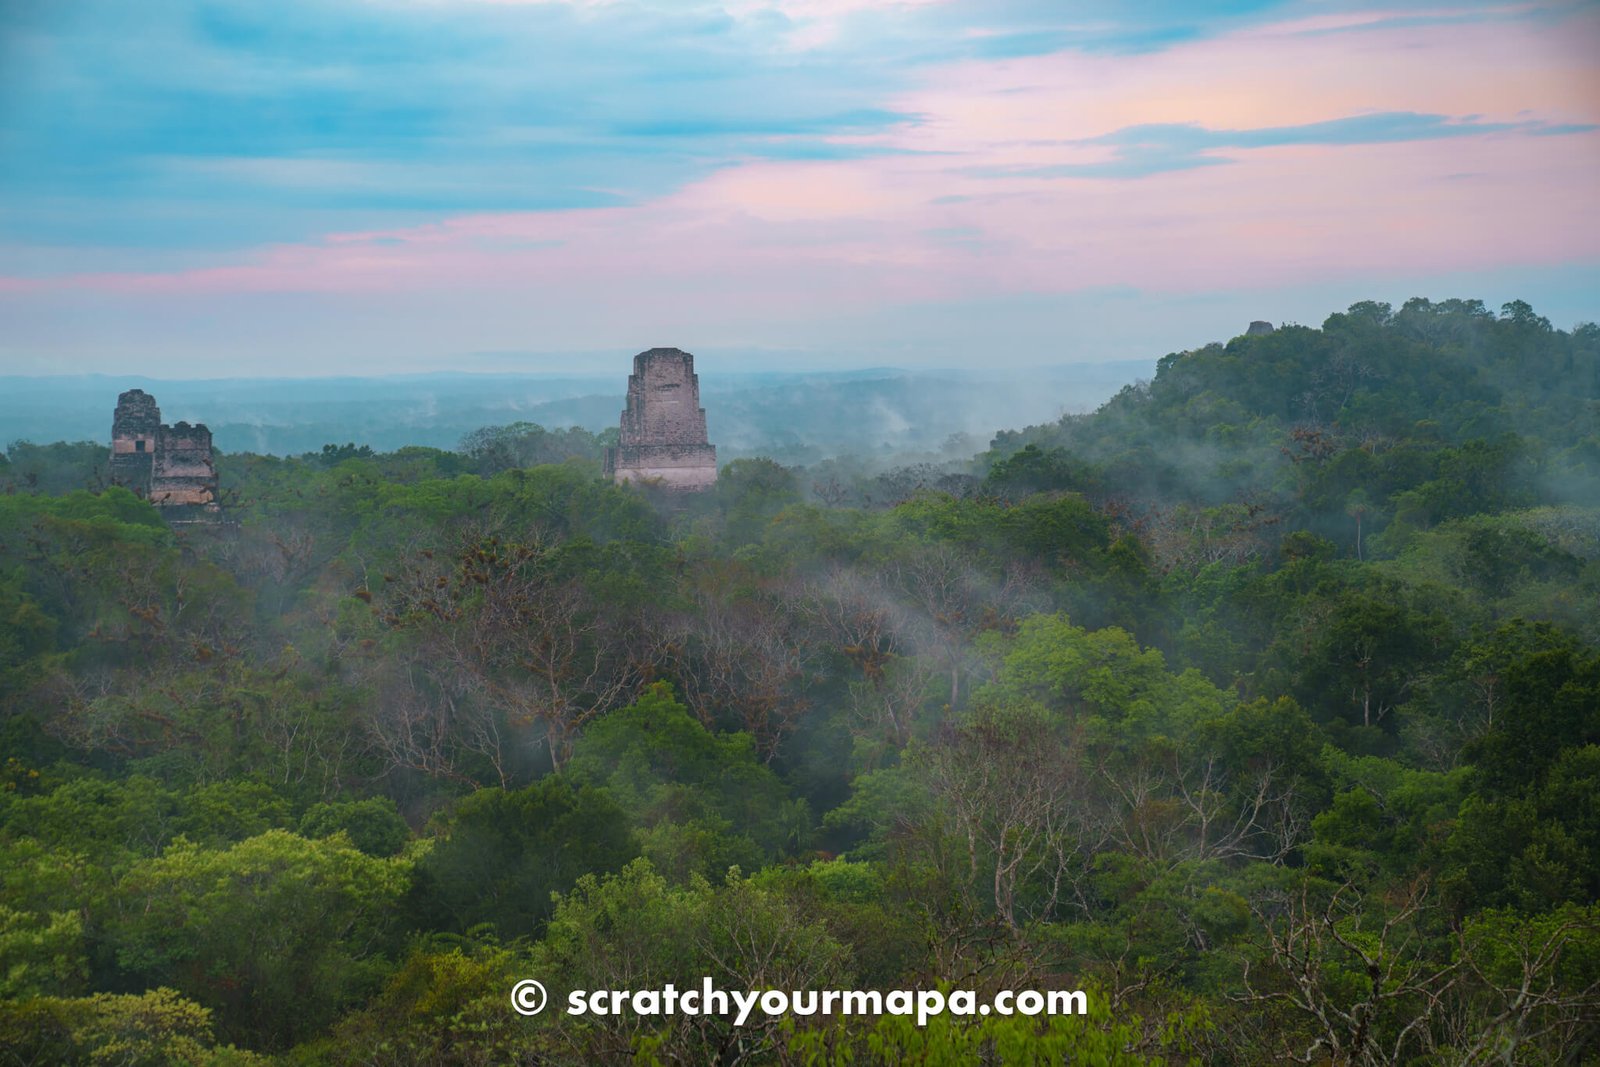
[[170, 466], [664, 427]]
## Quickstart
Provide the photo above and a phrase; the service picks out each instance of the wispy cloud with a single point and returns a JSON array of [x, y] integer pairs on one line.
[[445, 175], [1155, 148], [234, 122]]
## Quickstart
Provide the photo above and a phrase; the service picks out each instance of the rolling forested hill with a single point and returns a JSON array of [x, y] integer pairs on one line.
[[1263, 703]]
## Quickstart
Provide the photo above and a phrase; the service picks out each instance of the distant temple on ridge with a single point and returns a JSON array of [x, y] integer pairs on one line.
[[170, 466], [664, 427]]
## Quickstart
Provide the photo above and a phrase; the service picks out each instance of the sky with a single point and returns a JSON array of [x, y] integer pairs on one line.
[[230, 188]]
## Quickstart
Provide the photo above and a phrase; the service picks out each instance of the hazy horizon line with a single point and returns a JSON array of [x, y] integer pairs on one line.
[[721, 372]]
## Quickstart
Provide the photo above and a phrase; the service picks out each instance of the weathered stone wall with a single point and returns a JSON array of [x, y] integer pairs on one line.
[[184, 471], [135, 428], [679, 466], [664, 427], [171, 466]]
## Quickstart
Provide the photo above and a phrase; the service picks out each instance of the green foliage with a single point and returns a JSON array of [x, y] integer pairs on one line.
[[1095, 1039], [443, 1005], [500, 854], [53, 469], [634, 930], [751, 492], [138, 815], [40, 953], [277, 934], [333, 455], [1036, 470], [148, 1030], [856, 902], [1367, 657], [527, 444], [1552, 705], [1262, 702], [1101, 676], [27, 636], [705, 801], [372, 825], [1382, 815]]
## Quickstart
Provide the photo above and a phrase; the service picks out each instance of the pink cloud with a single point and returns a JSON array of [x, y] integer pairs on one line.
[[1282, 74], [925, 224]]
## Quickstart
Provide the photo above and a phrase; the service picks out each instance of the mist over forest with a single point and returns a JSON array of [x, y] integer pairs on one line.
[[793, 417], [1261, 701]]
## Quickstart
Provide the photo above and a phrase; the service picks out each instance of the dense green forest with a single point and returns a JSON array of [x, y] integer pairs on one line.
[[1263, 703]]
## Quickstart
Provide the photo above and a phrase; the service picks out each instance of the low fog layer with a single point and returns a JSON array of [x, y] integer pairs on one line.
[[794, 417]]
